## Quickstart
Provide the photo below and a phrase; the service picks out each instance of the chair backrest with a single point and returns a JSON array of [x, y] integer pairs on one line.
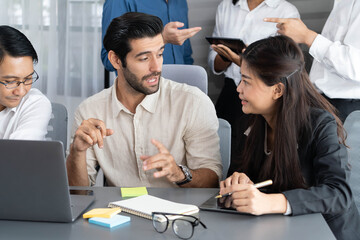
[[57, 128], [190, 74], [100, 178], [225, 144], [352, 127]]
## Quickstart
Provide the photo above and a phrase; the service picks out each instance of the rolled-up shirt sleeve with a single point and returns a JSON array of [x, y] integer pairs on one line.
[[342, 56]]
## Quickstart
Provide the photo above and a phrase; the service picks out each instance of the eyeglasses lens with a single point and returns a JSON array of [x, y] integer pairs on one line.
[[183, 228], [160, 223], [27, 81]]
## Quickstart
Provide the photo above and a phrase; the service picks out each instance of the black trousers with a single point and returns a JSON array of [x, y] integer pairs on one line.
[[228, 105], [344, 106]]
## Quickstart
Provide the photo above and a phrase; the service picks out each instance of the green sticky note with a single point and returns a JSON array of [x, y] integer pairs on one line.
[[133, 192]]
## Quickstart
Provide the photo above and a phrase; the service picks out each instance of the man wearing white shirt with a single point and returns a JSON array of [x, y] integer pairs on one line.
[[336, 51], [241, 19], [24, 112]]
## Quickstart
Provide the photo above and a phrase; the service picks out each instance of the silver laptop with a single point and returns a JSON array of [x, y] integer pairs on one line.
[[34, 184]]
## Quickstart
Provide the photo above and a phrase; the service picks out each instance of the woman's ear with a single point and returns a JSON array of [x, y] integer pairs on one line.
[[114, 59], [279, 90]]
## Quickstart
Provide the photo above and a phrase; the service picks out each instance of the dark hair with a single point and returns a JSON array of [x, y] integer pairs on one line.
[[235, 1], [129, 26], [280, 60], [15, 44]]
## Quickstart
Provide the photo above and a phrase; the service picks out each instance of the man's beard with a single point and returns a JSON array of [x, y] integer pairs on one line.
[[136, 83]]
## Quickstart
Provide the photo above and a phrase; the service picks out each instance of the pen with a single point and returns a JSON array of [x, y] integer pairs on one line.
[[257, 185]]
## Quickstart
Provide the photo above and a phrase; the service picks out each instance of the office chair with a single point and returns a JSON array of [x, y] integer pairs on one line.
[[100, 178], [224, 132], [352, 127], [190, 74], [57, 128]]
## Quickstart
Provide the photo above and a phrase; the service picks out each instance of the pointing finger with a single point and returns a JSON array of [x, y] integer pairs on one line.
[[188, 33], [144, 157], [191, 30], [275, 20], [160, 146]]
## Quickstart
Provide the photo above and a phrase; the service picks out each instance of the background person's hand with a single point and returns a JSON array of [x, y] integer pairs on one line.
[[172, 34], [227, 53], [295, 29], [164, 162], [89, 133]]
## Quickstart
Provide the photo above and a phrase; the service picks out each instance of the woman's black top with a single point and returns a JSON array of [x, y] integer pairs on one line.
[[325, 168]]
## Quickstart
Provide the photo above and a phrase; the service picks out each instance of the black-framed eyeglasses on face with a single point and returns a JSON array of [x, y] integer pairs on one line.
[[29, 80], [182, 225]]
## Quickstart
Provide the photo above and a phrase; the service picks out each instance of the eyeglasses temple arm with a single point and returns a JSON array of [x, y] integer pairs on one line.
[[202, 224]]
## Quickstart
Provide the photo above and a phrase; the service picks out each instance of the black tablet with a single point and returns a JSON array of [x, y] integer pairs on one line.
[[235, 44], [213, 204]]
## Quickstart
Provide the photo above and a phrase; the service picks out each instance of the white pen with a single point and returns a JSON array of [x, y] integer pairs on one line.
[[257, 185]]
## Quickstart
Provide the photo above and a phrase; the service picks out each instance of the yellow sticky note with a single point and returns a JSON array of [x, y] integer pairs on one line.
[[102, 212], [133, 192]]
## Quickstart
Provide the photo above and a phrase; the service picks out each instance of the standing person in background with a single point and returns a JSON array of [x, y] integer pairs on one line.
[[241, 19], [24, 111], [173, 14], [336, 51]]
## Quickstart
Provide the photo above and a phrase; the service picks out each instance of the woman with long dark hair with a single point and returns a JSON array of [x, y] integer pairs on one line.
[[291, 135]]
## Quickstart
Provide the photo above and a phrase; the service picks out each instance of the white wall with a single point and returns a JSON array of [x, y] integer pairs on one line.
[[202, 13]]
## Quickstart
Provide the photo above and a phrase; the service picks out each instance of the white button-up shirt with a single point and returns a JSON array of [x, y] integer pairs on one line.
[[237, 21], [336, 67], [27, 121], [179, 116]]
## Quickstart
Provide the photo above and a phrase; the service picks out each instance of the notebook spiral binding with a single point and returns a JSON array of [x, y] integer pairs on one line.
[[127, 210]]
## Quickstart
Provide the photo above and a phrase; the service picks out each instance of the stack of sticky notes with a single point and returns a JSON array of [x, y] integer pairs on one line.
[[102, 212], [110, 222], [106, 217]]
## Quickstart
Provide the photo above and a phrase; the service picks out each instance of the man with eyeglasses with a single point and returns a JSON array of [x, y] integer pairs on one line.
[[24, 111]]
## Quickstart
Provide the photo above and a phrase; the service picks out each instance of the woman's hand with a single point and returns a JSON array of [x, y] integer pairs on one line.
[[236, 178], [248, 199], [227, 53]]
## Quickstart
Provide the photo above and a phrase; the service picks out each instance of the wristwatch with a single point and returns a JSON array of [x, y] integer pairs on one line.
[[187, 173]]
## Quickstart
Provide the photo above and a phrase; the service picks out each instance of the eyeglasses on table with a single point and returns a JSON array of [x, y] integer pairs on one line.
[[182, 225]]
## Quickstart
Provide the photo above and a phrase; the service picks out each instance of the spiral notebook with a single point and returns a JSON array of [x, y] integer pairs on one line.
[[143, 206]]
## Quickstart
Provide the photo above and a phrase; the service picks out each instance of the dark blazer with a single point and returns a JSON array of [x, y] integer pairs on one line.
[[325, 168]]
